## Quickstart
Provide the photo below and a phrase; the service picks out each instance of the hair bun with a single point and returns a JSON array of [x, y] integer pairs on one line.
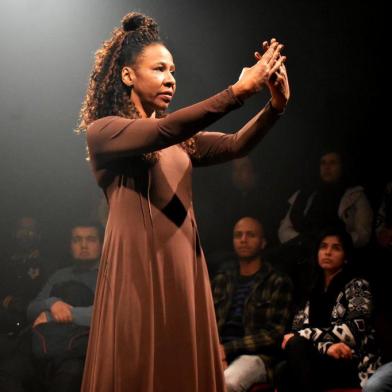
[[134, 21]]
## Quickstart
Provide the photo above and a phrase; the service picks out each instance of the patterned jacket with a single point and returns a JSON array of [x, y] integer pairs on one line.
[[350, 324], [267, 312]]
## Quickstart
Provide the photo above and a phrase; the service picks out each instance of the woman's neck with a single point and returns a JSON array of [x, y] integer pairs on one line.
[[143, 112], [328, 276]]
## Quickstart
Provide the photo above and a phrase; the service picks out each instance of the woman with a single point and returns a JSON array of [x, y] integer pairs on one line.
[[332, 202], [332, 343], [153, 326]]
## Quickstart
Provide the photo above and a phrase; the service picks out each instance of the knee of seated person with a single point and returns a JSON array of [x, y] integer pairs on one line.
[[296, 342], [244, 371], [72, 366], [232, 384], [253, 360]]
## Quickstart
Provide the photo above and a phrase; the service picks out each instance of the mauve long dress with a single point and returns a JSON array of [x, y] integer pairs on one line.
[[153, 326]]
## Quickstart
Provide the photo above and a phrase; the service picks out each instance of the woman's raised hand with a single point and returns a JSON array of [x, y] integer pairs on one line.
[[252, 79], [269, 70], [278, 84]]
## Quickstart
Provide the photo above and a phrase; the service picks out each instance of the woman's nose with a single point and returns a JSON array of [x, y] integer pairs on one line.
[[169, 79]]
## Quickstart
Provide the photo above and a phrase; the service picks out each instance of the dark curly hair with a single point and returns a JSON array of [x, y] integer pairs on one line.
[[107, 95]]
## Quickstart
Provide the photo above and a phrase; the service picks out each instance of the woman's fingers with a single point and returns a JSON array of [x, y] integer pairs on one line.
[[277, 65], [272, 55], [276, 54], [272, 52]]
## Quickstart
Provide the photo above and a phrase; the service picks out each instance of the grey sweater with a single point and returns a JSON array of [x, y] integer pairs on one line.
[[43, 301]]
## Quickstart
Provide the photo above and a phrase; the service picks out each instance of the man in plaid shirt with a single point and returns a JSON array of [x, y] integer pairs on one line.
[[253, 309]]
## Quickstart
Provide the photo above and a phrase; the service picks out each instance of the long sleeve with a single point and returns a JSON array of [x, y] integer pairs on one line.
[[351, 327], [286, 231], [267, 338], [81, 315], [218, 147], [116, 137]]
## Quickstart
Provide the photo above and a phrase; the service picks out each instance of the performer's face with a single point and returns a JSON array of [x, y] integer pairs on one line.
[[85, 243], [151, 78], [331, 254]]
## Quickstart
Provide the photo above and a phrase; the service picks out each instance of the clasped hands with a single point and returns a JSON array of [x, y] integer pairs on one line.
[[60, 311], [269, 70], [337, 350]]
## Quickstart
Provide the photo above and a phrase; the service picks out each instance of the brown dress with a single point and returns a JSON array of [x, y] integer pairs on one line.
[[153, 327]]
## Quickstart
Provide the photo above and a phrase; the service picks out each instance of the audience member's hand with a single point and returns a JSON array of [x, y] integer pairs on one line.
[[7, 300], [61, 312], [223, 356], [41, 319], [286, 338], [340, 351]]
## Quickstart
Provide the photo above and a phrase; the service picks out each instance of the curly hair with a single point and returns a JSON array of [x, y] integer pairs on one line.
[[107, 95]]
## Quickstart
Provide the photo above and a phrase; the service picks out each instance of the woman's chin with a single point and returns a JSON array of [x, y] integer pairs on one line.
[[162, 106]]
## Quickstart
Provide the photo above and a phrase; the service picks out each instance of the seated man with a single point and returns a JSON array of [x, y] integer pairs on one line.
[[22, 274], [252, 304], [61, 314]]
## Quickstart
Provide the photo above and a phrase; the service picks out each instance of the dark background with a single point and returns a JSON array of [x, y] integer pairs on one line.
[[337, 66]]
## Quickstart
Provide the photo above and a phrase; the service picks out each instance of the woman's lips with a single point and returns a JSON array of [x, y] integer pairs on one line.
[[166, 96]]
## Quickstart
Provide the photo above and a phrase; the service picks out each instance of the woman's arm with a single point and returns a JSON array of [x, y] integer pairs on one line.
[[217, 147], [115, 137], [354, 324]]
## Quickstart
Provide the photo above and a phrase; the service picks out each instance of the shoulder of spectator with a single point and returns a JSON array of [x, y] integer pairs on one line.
[[60, 273], [354, 192], [279, 278]]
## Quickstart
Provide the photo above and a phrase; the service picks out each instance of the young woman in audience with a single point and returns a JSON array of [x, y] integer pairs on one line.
[[332, 340]]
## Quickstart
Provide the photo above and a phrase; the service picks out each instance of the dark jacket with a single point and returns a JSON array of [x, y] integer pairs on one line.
[[267, 312]]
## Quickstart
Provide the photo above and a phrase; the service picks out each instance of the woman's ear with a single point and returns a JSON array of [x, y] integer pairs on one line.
[[127, 76]]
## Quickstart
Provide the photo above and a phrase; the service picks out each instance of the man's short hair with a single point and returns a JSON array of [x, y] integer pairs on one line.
[[88, 223]]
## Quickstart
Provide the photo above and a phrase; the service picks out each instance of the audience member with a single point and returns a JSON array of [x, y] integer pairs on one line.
[[21, 277], [333, 202], [61, 315], [332, 343], [252, 304]]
